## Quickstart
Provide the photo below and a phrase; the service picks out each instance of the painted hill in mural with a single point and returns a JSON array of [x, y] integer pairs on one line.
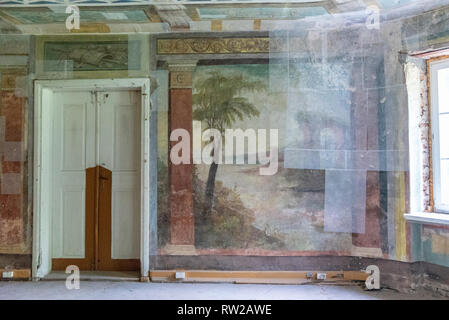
[[230, 223]]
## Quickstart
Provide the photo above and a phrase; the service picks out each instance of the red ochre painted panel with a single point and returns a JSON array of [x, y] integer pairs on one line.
[[12, 197], [182, 228], [12, 108]]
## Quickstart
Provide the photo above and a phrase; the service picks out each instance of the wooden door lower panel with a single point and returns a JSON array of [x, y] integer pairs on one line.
[[104, 256], [88, 263], [98, 234], [62, 264]]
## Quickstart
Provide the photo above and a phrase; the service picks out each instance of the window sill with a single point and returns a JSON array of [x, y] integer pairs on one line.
[[428, 218]]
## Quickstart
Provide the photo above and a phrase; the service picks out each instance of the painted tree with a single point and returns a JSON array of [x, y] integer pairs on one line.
[[219, 103]]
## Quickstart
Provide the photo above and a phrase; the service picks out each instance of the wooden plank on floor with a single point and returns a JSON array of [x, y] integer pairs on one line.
[[18, 274], [281, 277]]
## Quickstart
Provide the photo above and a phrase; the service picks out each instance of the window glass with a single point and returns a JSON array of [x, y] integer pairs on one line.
[[443, 115]]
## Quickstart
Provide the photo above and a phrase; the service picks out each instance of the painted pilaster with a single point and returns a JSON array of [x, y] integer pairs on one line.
[[182, 223]]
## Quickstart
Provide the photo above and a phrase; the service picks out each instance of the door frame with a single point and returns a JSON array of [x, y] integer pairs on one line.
[[41, 214]]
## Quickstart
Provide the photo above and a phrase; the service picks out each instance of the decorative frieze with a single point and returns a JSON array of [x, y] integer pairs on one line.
[[213, 45]]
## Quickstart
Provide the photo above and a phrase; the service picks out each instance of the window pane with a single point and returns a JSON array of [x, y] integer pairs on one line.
[[444, 136], [445, 182], [443, 90]]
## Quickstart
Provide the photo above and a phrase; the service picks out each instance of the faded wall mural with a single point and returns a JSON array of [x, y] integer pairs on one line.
[[236, 209], [82, 56], [87, 56]]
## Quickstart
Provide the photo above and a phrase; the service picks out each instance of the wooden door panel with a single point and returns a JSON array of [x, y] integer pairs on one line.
[[105, 261], [72, 151], [88, 262], [119, 152]]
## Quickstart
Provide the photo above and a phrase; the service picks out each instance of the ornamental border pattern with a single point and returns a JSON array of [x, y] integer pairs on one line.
[[213, 45]]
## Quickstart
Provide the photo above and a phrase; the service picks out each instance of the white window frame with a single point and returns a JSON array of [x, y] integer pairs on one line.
[[436, 66]]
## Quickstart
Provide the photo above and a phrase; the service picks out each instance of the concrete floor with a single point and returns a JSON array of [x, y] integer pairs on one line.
[[92, 290]]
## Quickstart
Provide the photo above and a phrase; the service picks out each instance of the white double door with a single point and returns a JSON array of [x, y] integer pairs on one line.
[[91, 129]]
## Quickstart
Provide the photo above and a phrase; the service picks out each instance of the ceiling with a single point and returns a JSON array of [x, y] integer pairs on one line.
[[116, 16]]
